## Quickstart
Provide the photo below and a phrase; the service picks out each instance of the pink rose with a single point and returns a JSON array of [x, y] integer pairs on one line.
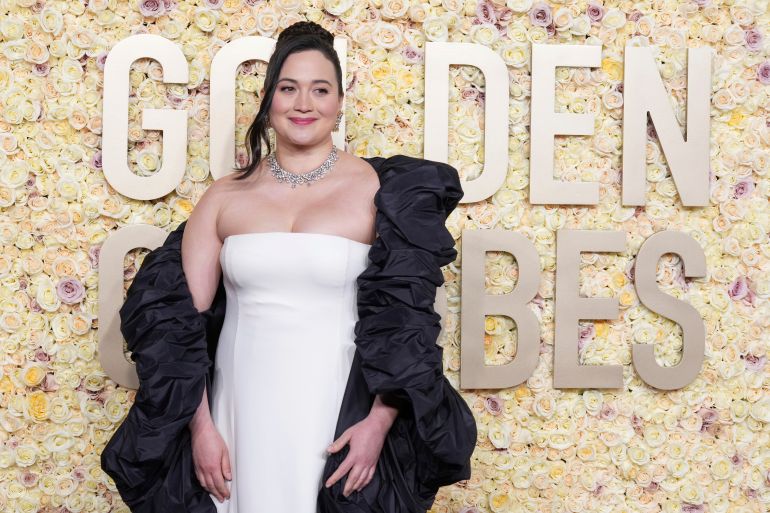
[[469, 93], [213, 4], [101, 59], [29, 478], [70, 290], [755, 363], [41, 70], [608, 412], [587, 333], [540, 14]]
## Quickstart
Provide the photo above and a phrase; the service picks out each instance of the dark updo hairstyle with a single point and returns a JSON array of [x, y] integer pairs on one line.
[[302, 35]]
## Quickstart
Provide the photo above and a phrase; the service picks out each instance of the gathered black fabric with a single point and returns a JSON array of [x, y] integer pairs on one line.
[[173, 345]]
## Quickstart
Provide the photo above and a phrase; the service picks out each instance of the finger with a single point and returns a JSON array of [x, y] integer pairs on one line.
[[361, 481], [341, 471], [207, 486], [369, 476], [339, 443], [219, 484], [226, 466], [352, 478]]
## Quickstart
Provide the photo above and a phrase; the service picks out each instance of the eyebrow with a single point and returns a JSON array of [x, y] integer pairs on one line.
[[314, 81]]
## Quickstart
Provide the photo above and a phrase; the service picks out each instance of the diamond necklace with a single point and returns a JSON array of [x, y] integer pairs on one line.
[[295, 179]]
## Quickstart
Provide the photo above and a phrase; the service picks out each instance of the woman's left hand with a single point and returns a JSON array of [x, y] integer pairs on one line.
[[366, 439]]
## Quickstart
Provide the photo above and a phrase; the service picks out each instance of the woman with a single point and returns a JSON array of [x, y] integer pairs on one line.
[[377, 427], [263, 225]]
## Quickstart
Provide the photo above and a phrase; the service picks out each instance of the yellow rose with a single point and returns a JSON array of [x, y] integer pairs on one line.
[[612, 68]]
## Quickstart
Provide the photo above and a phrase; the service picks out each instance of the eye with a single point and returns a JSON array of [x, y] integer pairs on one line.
[[323, 90], [286, 87]]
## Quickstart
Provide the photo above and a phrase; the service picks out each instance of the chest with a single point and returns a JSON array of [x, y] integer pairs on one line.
[[343, 209]]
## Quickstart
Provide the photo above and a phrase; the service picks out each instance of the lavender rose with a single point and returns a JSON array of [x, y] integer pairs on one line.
[[742, 189], [738, 289], [70, 290], [540, 14], [763, 72], [486, 12], [753, 39], [494, 405], [152, 8], [595, 12], [96, 160], [755, 363]]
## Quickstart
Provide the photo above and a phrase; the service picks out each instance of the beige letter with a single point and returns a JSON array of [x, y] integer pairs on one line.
[[111, 257], [546, 123], [476, 303], [644, 92], [693, 330], [570, 307], [438, 57], [173, 123]]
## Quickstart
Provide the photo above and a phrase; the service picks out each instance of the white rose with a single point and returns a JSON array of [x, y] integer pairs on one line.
[[51, 20], [614, 18], [337, 7], [11, 27], [386, 35], [393, 9], [435, 29], [484, 33], [580, 26], [519, 5], [205, 19]]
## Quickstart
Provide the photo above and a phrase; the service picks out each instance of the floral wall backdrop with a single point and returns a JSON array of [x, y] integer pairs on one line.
[[704, 448]]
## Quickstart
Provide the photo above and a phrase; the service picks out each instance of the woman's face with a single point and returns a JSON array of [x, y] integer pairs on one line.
[[306, 90]]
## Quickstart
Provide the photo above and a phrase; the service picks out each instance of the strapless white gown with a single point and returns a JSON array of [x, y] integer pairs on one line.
[[282, 362]]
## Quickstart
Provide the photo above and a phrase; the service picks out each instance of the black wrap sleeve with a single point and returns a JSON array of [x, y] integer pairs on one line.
[[432, 439], [149, 456]]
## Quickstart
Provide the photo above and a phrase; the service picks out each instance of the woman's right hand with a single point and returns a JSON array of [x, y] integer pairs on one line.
[[211, 460]]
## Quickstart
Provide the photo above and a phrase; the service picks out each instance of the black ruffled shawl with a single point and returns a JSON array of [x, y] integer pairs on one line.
[[173, 345]]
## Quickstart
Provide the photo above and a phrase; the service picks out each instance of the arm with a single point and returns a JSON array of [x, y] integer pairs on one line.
[[384, 413], [200, 260]]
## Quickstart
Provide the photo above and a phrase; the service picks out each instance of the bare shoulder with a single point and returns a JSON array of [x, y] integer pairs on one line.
[[207, 208], [362, 174]]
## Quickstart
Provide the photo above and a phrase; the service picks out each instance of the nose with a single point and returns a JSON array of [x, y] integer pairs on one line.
[[303, 101]]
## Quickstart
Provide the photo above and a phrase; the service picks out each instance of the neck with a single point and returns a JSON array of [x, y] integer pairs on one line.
[[301, 159]]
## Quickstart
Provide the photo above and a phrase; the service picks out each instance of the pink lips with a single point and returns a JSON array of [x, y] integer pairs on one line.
[[302, 121]]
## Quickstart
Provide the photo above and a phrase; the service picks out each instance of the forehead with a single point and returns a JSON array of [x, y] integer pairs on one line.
[[307, 63]]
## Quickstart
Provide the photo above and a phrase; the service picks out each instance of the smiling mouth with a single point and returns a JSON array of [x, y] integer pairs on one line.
[[299, 121]]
